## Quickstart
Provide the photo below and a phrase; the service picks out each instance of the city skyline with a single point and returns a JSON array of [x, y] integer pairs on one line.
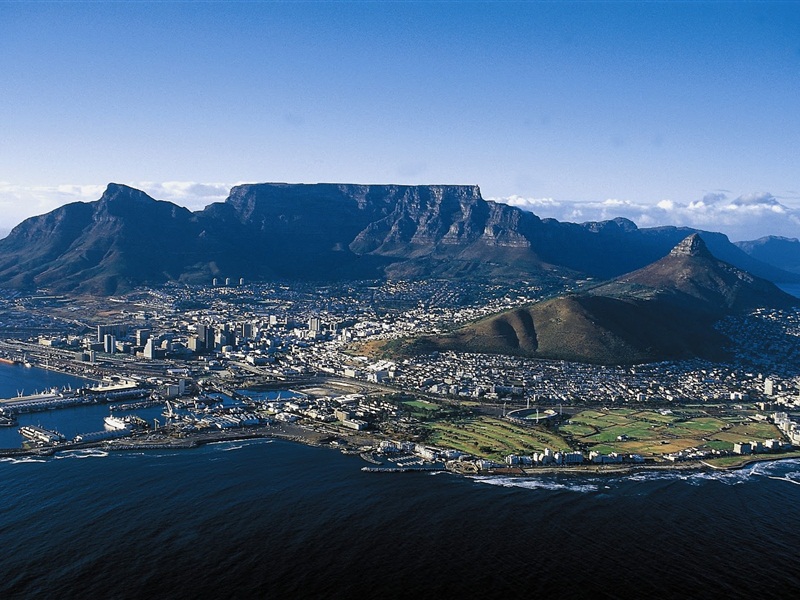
[[662, 113]]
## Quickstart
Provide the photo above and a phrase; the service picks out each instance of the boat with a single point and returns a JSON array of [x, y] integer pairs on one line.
[[113, 422], [40, 434], [370, 458], [7, 421]]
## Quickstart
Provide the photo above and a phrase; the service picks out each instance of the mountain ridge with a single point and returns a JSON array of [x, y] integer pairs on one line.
[[781, 252], [663, 311], [322, 232]]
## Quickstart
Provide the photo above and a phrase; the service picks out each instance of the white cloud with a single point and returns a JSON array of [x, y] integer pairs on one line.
[[18, 202], [666, 205], [745, 217], [528, 203], [192, 195]]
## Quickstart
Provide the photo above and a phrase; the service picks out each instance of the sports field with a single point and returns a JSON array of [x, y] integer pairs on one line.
[[650, 432], [493, 438]]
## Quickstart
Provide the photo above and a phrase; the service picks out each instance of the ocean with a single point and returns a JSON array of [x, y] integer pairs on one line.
[[790, 288], [276, 519]]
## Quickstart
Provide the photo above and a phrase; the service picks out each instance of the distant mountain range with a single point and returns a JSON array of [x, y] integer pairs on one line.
[[328, 232], [780, 252], [666, 310]]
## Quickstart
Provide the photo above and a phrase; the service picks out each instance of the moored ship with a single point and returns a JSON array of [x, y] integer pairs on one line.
[[40, 434], [115, 423]]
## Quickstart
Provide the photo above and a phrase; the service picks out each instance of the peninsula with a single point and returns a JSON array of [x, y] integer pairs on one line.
[[533, 360]]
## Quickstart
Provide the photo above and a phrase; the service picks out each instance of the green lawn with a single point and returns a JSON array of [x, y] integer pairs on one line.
[[651, 433], [645, 432], [493, 438], [421, 404]]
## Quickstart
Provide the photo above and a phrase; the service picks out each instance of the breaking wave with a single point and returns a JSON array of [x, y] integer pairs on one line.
[[89, 453], [534, 483], [785, 470], [25, 460]]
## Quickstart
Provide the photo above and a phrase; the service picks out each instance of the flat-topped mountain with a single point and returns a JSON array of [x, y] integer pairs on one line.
[[324, 232], [665, 310]]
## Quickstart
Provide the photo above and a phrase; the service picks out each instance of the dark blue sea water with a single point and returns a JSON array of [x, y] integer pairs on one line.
[[280, 520], [18, 380], [263, 519], [790, 288]]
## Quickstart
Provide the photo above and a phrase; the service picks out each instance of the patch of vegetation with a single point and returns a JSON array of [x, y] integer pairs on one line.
[[421, 404], [493, 438], [650, 432]]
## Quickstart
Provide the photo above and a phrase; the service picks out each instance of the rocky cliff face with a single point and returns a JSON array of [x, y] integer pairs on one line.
[[691, 246], [691, 276], [320, 232]]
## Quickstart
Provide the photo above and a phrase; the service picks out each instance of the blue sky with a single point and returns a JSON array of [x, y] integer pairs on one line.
[[668, 113]]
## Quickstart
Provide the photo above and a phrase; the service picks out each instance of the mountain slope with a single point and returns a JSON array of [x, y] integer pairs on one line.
[[663, 311], [121, 240], [690, 276], [780, 252], [323, 232]]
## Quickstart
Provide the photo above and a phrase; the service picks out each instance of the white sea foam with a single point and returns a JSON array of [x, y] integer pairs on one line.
[[89, 453], [693, 477], [653, 476], [25, 460], [533, 483], [787, 478], [774, 470], [239, 444], [726, 477]]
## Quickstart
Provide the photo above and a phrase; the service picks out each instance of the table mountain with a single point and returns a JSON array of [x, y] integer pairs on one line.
[[323, 232]]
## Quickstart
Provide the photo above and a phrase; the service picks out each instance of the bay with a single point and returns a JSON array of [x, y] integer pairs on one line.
[[263, 519], [16, 380], [275, 519]]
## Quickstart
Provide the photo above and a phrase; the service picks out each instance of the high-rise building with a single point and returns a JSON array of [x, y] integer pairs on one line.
[[109, 344], [220, 340], [205, 335], [315, 324], [142, 335], [246, 330], [118, 330]]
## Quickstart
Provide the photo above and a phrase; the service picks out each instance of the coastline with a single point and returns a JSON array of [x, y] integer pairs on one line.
[[311, 437], [351, 442]]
